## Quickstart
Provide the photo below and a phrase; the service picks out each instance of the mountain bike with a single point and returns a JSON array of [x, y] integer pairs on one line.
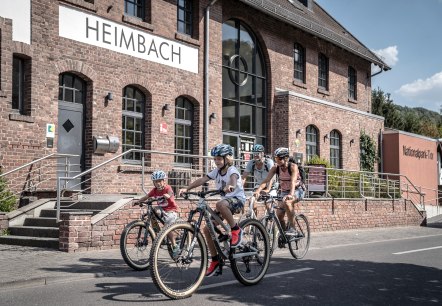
[[298, 240], [180, 276], [138, 236]]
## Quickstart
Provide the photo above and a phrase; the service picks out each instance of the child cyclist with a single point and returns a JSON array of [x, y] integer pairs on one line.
[[290, 184], [227, 178], [166, 201]]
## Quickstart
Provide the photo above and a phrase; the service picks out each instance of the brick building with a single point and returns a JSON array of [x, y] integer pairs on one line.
[[276, 72]]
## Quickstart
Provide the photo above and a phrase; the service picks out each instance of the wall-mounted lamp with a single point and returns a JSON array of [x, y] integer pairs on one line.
[[298, 132], [352, 142], [109, 96], [212, 117], [325, 137], [166, 107]]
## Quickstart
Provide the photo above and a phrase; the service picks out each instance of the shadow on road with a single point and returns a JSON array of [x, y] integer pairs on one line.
[[336, 282]]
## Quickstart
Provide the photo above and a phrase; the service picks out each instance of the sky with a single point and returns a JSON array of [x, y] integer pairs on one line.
[[407, 35]]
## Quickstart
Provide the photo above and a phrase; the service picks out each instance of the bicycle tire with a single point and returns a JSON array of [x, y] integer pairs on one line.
[[300, 244], [272, 231], [178, 278], [135, 243], [256, 238]]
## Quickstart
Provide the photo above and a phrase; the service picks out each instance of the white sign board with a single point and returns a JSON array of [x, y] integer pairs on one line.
[[100, 32], [50, 130]]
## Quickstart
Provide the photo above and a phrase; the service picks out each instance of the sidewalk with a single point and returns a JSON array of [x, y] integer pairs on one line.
[[29, 266]]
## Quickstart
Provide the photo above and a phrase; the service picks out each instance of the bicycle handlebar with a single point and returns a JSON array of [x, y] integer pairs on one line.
[[149, 201], [202, 194]]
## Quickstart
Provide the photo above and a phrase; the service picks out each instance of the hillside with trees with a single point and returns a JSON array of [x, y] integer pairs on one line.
[[417, 120]]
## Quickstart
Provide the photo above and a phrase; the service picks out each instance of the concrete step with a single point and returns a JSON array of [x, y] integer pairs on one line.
[[41, 221], [42, 242], [33, 231], [52, 213]]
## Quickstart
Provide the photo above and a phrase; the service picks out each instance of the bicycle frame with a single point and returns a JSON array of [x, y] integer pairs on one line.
[[208, 213]]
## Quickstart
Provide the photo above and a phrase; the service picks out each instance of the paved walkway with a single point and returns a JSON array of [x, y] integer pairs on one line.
[[29, 266]]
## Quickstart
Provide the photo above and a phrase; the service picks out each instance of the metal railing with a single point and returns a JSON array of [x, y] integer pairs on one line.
[[119, 175], [37, 175]]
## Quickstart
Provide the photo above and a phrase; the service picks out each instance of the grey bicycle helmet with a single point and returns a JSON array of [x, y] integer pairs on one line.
[[282, 152], [158, 175], [258, 148], [222, 150]]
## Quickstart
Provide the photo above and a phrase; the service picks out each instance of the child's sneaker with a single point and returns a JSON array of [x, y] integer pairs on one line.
[[214, 265], [236, 238]]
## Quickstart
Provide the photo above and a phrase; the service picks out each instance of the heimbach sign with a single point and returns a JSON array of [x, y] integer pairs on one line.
[[96, 31], [408, 151]]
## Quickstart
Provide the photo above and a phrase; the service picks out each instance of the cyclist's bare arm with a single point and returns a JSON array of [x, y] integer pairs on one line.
[[194, 184], [244, 176], [232, 183]]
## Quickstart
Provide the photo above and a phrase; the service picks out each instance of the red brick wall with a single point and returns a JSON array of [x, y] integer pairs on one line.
[[77, 233], [22, 138]]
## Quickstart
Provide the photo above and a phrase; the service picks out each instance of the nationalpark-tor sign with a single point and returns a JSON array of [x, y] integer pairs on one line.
[[408, 151]]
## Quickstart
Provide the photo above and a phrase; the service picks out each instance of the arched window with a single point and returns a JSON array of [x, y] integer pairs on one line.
[[243, 87], [183, 131], [133, 122], [311, 142], [335, 149]]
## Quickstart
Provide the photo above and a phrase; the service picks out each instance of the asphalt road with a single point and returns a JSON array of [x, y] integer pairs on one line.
[[384, 271]]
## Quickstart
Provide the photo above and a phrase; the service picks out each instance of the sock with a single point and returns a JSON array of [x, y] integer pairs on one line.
[[215, 258], [235, 228]]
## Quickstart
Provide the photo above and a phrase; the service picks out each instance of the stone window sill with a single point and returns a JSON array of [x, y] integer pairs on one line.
[[187, 39], [137, 22], [22, 118], [298, 83], [323, 91], [83, 4], [352, 100]]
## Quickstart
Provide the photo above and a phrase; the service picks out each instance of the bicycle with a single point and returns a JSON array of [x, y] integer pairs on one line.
[[180, 276], [138, 236], [299, 242]]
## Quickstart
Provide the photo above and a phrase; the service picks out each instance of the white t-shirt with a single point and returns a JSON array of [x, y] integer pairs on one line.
[[221, 181]]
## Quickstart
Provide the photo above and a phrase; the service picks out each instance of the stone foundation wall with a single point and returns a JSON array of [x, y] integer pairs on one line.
[[77, 233]]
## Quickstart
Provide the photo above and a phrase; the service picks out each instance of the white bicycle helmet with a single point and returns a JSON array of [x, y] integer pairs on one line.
[[222, 150], [282, 152], [158, 175]]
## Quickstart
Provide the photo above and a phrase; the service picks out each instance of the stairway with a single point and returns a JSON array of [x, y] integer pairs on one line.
[[39, 228]]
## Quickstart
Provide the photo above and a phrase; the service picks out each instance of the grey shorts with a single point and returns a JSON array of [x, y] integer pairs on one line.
[[236, 205], [169, 217]]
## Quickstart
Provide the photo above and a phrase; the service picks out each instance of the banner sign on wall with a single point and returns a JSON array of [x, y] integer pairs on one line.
[[100, 32]]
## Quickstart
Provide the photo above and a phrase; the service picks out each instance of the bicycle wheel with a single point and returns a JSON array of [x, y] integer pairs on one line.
[[180, 276], [299, 244], [272, 231], [251, 258], [135, 243]]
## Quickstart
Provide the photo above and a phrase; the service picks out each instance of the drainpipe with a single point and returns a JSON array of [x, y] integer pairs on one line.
[[374, 74], [206, 83]]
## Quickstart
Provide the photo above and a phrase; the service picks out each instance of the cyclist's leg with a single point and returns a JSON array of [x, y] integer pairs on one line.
[[299, 195], [280, 213], [170, 217], [225, 208], [209, 240]]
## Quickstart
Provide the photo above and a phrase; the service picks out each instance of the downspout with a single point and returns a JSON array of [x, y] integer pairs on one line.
[[206, 83], [380, 71]]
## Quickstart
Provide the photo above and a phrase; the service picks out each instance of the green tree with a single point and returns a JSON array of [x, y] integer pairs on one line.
[[368, 152]]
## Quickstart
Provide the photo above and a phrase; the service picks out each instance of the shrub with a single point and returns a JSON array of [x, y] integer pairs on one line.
[[7, 198]]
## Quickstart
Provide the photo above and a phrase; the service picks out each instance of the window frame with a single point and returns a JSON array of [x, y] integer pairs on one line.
[[188, 110], [135, 115], [323, 71], [140, 6], [352, 83], [187, 21], [299, 65], [336, 149], [18, 84], [311, 141]]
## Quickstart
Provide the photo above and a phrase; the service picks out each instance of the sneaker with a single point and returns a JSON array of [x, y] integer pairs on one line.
[[213, 268], [236, 238]]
